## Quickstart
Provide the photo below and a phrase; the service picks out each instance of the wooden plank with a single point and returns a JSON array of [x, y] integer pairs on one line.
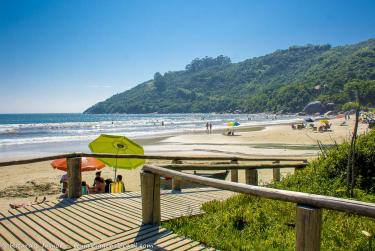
[[34, 160], [176, 183], [157, 244], [125, 215], [251, 177], [308, 228], [93, 225], [150, 189], [202, 167], [29, 236], [276, 174], [84, 216], [177, 210], [67, 222], [150, 238], [12, 241], [345, 205], [25, 242], [45, 233], [165, 157], [39, 223], [120, 204], [208, 196], [74, 177], [200, 247], [126, 239], [234, 172], [93, 229], [91, 212], [22, 236], [180, 201], [183, 242], [137, 156], [107, 242], [4, 245]]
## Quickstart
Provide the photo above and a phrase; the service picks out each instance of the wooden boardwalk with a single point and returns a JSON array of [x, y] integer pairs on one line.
[[102, 222]]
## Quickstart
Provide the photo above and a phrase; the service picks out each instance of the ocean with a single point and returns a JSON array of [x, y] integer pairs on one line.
[[24, 135]]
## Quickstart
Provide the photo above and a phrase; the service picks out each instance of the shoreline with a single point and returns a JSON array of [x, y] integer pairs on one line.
[[27, 150], [24, 182]]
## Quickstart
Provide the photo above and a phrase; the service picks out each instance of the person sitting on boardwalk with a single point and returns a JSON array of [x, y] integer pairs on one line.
[[25, 204]]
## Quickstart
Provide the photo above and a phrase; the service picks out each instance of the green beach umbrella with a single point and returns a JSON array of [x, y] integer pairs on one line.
[[117, 145]]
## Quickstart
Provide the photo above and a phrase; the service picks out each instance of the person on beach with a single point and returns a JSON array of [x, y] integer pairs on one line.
[[119, 179], [85, 188], [210, 127], [64, 183], [99, 186], [97, 174], [25, 204], [108, 183], [207, 127]]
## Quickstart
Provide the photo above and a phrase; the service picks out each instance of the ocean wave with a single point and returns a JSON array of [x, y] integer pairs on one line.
[[133, 133]]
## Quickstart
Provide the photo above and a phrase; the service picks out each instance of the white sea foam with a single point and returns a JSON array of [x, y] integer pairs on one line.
[[40, 133]]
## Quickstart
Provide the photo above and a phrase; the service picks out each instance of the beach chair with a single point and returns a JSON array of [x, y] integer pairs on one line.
[[117, 187]]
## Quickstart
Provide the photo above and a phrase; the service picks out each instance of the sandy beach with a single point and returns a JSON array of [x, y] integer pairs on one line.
[[25, 182]]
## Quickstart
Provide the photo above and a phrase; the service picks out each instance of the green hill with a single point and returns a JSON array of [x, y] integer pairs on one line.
[[283, 81]]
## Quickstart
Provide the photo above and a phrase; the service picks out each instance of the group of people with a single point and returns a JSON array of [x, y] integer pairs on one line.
[[100, 185], [208, 127]]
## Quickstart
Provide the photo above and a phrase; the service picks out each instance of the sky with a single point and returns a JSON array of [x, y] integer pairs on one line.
[[66, 55]]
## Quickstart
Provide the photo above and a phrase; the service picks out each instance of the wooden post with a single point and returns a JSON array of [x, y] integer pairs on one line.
[[276, 171], [74, 177], [308, 228], [150, 190], [251, 177], [176, 182], [234, 172]]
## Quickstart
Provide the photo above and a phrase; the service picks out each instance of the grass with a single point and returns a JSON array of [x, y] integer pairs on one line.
[[246, 222], [249, 223]]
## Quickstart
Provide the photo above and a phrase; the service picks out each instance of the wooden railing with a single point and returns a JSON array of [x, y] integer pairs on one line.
[[251, 171], [137, 156], [309, 206]]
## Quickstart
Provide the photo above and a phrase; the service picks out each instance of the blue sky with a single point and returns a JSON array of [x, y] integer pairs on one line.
[[65, 55]]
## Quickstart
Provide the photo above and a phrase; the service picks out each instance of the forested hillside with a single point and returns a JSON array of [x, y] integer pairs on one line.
[[283, 81]]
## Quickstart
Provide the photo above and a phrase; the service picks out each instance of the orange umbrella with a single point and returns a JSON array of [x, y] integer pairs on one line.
[[87, 164]]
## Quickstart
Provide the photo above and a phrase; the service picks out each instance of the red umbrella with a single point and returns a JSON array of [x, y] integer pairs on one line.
[[87, 164]]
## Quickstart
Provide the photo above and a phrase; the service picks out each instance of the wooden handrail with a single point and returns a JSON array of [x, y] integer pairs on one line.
[[137, 156], [318, 201], [181, 167]]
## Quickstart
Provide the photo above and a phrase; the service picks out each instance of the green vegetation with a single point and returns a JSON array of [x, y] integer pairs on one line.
[[251, 223], [283, 81]]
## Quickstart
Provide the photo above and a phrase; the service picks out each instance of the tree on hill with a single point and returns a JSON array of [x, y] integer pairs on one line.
[[284, 80]]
